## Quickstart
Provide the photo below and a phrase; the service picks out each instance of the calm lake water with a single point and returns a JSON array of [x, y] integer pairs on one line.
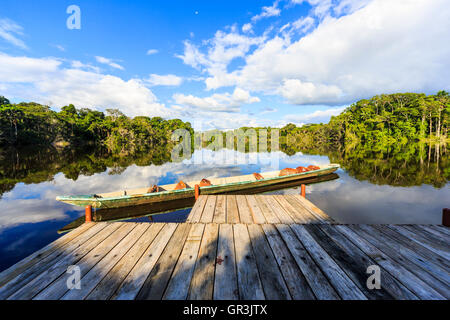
[[378, 188]]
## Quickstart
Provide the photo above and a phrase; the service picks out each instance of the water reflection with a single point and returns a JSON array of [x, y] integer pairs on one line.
[[375, 186]]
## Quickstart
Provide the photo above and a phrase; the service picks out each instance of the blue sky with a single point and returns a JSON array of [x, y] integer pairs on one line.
[[222, 64]]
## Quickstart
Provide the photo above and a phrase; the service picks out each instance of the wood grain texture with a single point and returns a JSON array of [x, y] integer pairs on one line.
[[225, 281], [202, 284]]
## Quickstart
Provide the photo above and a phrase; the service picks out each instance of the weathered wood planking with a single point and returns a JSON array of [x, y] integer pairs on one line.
[[202, 284], [258, 209], [206, 261], [28, 262], [109, 284], [225, 281]]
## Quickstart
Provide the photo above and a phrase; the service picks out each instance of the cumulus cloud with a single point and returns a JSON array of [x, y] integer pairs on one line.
[[109, 62], [10, 32], [46, 80], [298, 92], [221, 50], [356, 49], [217, 102], [164, 80]]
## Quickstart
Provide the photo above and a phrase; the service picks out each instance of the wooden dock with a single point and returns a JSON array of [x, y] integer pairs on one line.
[[286, 250], [258, 209]]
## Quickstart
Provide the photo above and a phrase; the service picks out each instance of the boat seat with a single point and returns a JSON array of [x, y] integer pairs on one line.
[[153, 189], [258, 176], [205, 183], [181, 185], [287, 172]]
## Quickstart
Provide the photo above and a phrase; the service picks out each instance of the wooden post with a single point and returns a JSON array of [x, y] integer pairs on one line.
[[446, 217], [197, 192], [88, 213], [303, 194]]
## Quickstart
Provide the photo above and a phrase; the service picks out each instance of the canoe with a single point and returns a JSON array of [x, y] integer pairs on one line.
[[135, 197]]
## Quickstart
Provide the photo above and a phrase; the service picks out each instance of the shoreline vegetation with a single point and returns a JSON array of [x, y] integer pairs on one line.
[[398, 139]]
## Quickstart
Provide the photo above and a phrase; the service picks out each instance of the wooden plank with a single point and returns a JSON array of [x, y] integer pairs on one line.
[[271, 278], [429, 268], [42, 280], [313, 208], [178, 287], [270, 216], [407, 278], [337, 277], [154, 286], [279, 210], [220, 214], [58, 287], [355, 266], [44, 265], [249, 283], [438, 231], [245, 215], [109, 284], [431, 233], [434, 261], [291, 210], [202, 284], [21, 266], [304, 213], [255, 210], [319, 284], [197, 210], [134, 281], [232, 209], [395, 288], [295, 280], [92, 278], [434, 244], [225, 281], [420, 276], [208, 212], [441, 228]]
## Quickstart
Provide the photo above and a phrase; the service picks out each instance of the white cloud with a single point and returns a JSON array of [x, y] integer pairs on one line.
[[269, 11], [80, 65], [164, 80], [45, 80], [303, 24], [9, 31], [298, 92], [109, 62], [221, 50], [316, 116], [268, 110], [356, 50], [152, 51], [24, 69], [59, 47], [247, 27], [218, 102]]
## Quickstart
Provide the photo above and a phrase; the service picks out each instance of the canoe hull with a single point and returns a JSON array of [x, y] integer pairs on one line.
[[141, 199]]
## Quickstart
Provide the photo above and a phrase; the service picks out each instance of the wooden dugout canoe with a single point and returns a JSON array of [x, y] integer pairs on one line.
[[142, 196]]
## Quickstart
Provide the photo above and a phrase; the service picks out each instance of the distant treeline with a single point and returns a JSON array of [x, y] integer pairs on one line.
[[381, 120], [32, 123]]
